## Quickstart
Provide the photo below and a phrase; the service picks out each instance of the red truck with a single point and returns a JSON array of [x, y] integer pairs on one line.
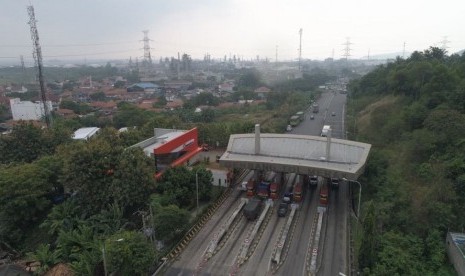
[[274, 190], [324, 193], [297, 192], [250, 188]]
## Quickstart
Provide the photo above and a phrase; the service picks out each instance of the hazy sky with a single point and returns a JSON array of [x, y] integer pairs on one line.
[[88, 29]]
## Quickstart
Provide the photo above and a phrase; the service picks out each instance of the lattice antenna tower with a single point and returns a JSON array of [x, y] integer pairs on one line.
[[147, 56], [347, 48], [37, 53], [444, 43], [300, 49]]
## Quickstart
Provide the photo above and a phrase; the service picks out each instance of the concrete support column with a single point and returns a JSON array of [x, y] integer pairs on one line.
[[328, 144], [257, 139]]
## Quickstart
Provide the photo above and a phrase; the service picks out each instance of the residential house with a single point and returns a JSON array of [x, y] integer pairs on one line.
[[262, 92]]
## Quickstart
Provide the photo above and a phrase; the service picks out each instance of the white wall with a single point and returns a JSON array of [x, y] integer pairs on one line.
[[27, 110]]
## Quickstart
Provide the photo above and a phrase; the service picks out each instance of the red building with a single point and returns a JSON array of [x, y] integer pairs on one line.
[[171, 148]]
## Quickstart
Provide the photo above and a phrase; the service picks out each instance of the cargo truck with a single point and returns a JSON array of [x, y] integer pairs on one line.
[[315, 108], [326, 129], [250, 188], [297, 192], [252, 208], [274, 189]]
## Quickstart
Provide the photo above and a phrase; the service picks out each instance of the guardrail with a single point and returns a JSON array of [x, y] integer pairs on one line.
[[190, 234]]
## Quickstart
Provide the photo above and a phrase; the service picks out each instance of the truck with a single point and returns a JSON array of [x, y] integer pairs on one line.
[[252, 208], [274, 189], [326, 129], [315, 108], [297, 192], [294, 121], [263, 189], [301, 115], [250, 188], [324, 192]]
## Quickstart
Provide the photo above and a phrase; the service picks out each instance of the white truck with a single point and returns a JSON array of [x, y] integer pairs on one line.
[[326, 129]]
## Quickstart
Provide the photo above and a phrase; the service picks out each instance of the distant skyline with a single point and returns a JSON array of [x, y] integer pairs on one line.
[[112, 29]]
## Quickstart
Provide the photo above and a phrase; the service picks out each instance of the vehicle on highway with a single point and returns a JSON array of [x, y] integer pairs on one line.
[[264, 186], [282, 209], [243, 187], [313, 180], [294, 121], [252, 208], [315, 108], [297, 192], [333, 113], [335, 183], [312, 117], [274, 188], [326, 129], [251, 188], [324, 192]]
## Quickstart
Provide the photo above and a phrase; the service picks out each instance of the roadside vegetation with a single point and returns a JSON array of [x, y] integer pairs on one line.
[[413, 113]]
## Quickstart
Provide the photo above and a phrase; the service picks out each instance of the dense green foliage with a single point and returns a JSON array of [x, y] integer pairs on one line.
[[413, 112]]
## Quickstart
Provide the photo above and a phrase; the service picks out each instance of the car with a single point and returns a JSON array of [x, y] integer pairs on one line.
[[313, 180], [312, 117], [282, 209], [288, 128], [333, 113], [335, 183], [243, 186]]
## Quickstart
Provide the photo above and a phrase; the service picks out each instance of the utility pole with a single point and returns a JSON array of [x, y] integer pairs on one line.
[[37, 53], [300, 50]]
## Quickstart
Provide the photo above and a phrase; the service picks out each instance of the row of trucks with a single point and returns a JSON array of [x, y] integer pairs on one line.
[[267, 188]]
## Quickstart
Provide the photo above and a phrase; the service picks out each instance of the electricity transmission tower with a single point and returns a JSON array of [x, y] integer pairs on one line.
[[347, 48], [37, 53], [444, 43]]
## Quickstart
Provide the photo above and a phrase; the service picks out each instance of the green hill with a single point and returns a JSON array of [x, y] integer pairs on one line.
[[413, 112]]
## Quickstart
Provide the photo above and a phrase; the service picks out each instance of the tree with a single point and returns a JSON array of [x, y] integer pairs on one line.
[[128, 253], [23, 199], [46, 257], [103, 173], [65, 217], [98, 96], [250, 78], [24, 144], [170, 221], [130, 115]]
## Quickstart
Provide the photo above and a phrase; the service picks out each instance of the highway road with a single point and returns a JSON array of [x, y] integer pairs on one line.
[[295, 260], [333, 258]]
